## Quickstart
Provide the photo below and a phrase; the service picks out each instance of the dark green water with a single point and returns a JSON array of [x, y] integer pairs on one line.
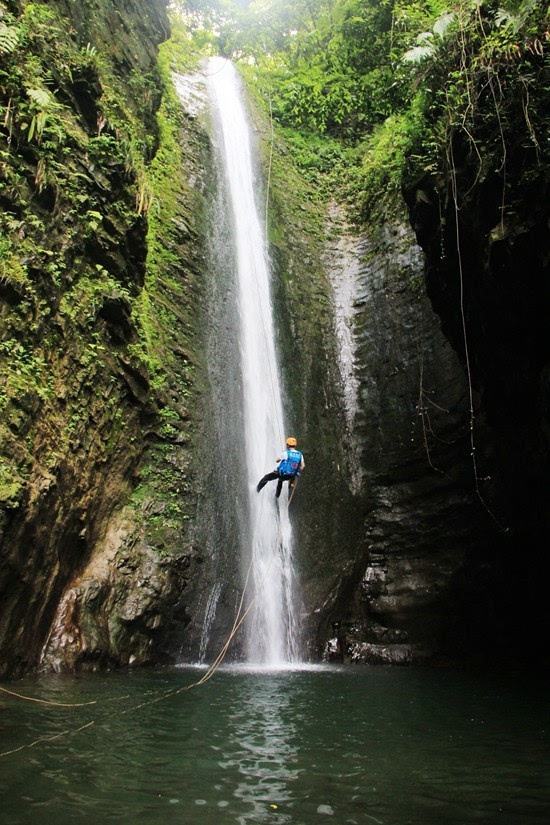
[[362, 745]]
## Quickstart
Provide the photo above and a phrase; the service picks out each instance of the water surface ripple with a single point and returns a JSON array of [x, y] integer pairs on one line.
[[365, 745]]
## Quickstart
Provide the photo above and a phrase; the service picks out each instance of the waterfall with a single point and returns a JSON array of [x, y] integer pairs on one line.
[[272, 630], [209, 614]]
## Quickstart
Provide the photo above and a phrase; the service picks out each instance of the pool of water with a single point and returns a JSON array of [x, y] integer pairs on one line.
[[357, 745]]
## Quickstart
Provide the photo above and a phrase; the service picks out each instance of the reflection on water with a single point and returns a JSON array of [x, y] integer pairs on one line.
[[365, 745], [262, 745]]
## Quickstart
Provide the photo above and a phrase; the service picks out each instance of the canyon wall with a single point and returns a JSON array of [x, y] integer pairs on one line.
[[100, 286], [421, 521]]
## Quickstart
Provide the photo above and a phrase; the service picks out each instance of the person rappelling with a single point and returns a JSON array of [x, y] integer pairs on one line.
[[289, 467]]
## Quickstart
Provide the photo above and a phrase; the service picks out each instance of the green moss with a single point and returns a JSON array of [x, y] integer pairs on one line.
[[163, 183], [12, 480], [25, 374], [82, 303], [98, 181], [165, 312], [74, 151], [13, 273]]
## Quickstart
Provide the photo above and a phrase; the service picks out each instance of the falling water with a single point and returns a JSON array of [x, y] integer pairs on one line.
[[272, 632], [209, 614]]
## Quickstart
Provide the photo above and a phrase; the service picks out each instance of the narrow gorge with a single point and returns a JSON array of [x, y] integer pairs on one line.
[[165, 325], [274, 411]]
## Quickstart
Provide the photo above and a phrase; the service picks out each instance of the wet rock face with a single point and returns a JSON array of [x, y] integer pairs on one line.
[[94, 558], [123, 609], [393, 549], [128, 604], [400, 600], [502, 257]]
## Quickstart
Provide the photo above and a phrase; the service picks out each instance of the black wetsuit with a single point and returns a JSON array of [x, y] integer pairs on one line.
[[280, 478]]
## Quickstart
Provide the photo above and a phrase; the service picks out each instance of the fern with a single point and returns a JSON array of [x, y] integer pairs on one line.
[[41, 98], [424, 39], [38, 124], [418, 53], [514, 21], [43, 103], [443, 23], [9, 38], [427, 42]]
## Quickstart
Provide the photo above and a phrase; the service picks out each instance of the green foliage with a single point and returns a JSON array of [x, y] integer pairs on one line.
[[86, 168], [151, 315], [320, 158], [391, 80], [11, 484], [42, 105], [82, 303], [24, 373], [9, 38], [331, 73], [73, 181], [12, 271], [384, 157], [428, 42]]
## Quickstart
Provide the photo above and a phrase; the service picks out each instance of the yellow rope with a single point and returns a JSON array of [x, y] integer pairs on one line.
[[47, 701], [293, 491], [172, 692], [239, 618], [48, 738]]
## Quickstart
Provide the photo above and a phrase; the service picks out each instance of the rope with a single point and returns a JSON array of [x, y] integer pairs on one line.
[[47, 701], [240, 615], [269, 171], [273, 382], [239, 619], [454, 190], [48, 739], [237, 624], [213, 74], [292, 493], [423, 413]]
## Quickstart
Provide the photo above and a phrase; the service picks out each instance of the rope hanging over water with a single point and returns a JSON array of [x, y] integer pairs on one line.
[[240, 616], [237, 623], [48, 702]]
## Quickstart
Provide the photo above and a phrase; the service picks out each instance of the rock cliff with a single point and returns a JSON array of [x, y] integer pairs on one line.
[[100, 288], [390, 534], [421, 521], [439, 406], [421, 526], [487, 234]]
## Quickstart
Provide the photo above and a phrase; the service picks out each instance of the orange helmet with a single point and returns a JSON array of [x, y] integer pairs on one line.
[[291, 441]]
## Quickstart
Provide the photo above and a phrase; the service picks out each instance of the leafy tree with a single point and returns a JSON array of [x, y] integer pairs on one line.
[[391, 81]]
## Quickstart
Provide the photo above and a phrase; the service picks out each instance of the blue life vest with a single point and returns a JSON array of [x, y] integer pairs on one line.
[[290, 463]]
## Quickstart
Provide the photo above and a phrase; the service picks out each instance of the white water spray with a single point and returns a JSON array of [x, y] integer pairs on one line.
[[272, 634]]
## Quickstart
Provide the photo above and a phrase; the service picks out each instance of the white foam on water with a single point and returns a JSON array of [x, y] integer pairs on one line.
[[237, 668]]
